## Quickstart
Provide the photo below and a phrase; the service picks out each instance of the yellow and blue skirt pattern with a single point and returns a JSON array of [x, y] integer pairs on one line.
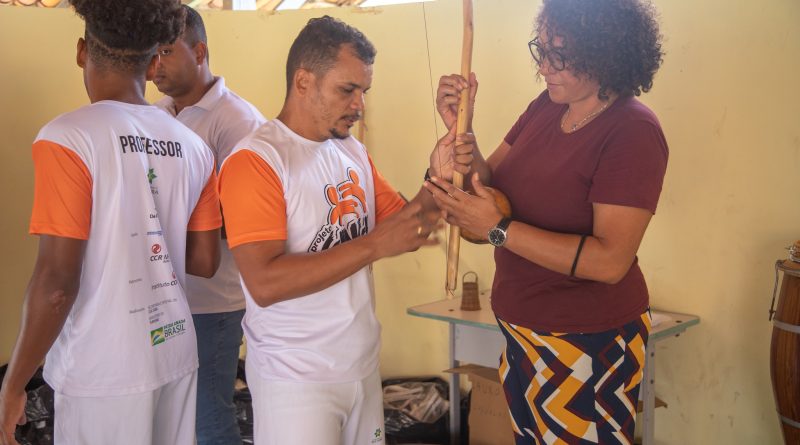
[[573, 389]]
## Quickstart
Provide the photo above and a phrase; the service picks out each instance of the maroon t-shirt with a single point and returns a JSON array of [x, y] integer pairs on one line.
[[552, 179]]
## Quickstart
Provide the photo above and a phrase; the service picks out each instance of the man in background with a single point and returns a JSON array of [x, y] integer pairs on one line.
[[201, 101]]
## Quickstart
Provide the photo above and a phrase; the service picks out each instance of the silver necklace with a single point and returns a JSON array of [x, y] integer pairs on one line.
[[580, 124]]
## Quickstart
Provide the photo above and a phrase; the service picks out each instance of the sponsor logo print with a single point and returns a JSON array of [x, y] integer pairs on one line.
[[347, 217], [164, 284], [174, 282], [167, 332], [151, 175], [157, 255], [157, 336], [377, 436]]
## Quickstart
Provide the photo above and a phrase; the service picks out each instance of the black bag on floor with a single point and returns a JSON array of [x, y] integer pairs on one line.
[[38, 411], [416, 410], [244, 405]]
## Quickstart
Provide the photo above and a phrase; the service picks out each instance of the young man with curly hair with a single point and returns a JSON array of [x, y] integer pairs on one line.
[[202, 102], [583, 168], [125, 205]]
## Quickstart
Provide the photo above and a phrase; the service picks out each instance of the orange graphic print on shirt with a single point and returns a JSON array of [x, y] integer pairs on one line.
[[347, 217], [346, 198]]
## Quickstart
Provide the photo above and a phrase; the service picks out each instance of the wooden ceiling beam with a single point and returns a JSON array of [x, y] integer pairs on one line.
[[196, 3], [268, 5]]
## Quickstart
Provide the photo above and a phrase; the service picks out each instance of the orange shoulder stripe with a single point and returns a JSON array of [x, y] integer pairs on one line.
[[62, 192], [253, 202]]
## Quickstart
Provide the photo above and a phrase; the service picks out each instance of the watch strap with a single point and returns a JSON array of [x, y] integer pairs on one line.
[[504, 223]]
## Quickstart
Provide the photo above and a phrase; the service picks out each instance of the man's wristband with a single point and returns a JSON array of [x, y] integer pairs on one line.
[[428, 178]]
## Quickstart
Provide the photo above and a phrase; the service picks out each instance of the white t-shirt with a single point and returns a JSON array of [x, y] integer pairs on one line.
[[221, 119], [315, 195], [130, 181]]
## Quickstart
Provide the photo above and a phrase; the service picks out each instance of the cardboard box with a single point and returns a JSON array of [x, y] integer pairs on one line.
[[489, 420]]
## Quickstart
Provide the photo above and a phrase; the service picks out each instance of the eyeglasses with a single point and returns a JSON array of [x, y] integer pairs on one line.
[[555, 59]]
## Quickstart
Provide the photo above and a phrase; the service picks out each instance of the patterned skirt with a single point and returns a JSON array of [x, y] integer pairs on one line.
[[573, 389]]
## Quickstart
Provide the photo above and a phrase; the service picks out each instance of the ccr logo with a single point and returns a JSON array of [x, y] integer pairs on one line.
[[164, 258], [157, 256]]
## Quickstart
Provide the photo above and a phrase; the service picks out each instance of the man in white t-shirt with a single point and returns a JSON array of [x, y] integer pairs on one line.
[[125, 205], [307, 213], [202, 102]]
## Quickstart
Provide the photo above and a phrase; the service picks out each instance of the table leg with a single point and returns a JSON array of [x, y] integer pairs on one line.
[[649, 395], [455, 392]]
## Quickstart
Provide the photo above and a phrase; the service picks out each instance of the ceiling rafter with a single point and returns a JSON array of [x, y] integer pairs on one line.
[[268, 5], [197, 3], [265, 5]]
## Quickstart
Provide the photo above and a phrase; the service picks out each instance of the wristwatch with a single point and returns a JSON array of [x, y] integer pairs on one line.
[[497, 235]]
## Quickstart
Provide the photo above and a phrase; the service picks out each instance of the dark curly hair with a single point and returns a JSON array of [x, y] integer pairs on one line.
[[124, 34], [615, 42], [317, 46]]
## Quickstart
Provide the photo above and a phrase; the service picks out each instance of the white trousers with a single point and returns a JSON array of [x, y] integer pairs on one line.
[[164, 416], [297, 413]]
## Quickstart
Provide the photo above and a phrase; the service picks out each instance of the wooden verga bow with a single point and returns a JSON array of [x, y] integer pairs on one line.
[[454, 244]]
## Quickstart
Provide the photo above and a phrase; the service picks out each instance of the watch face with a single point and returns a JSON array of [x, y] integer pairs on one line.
[[497, 237]]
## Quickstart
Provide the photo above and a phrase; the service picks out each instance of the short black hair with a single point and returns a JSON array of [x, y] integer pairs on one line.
[[317, 46], [615, 42], [195, 30], [124, 34]]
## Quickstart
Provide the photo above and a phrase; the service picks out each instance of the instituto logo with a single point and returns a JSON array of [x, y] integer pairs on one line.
[[163, 284]]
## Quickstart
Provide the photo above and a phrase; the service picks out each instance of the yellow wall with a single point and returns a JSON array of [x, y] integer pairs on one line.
[[727, 100], [38, 81]]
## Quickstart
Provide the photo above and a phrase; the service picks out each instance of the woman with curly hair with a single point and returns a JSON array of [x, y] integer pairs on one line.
[[125, 204], [583, 168]]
